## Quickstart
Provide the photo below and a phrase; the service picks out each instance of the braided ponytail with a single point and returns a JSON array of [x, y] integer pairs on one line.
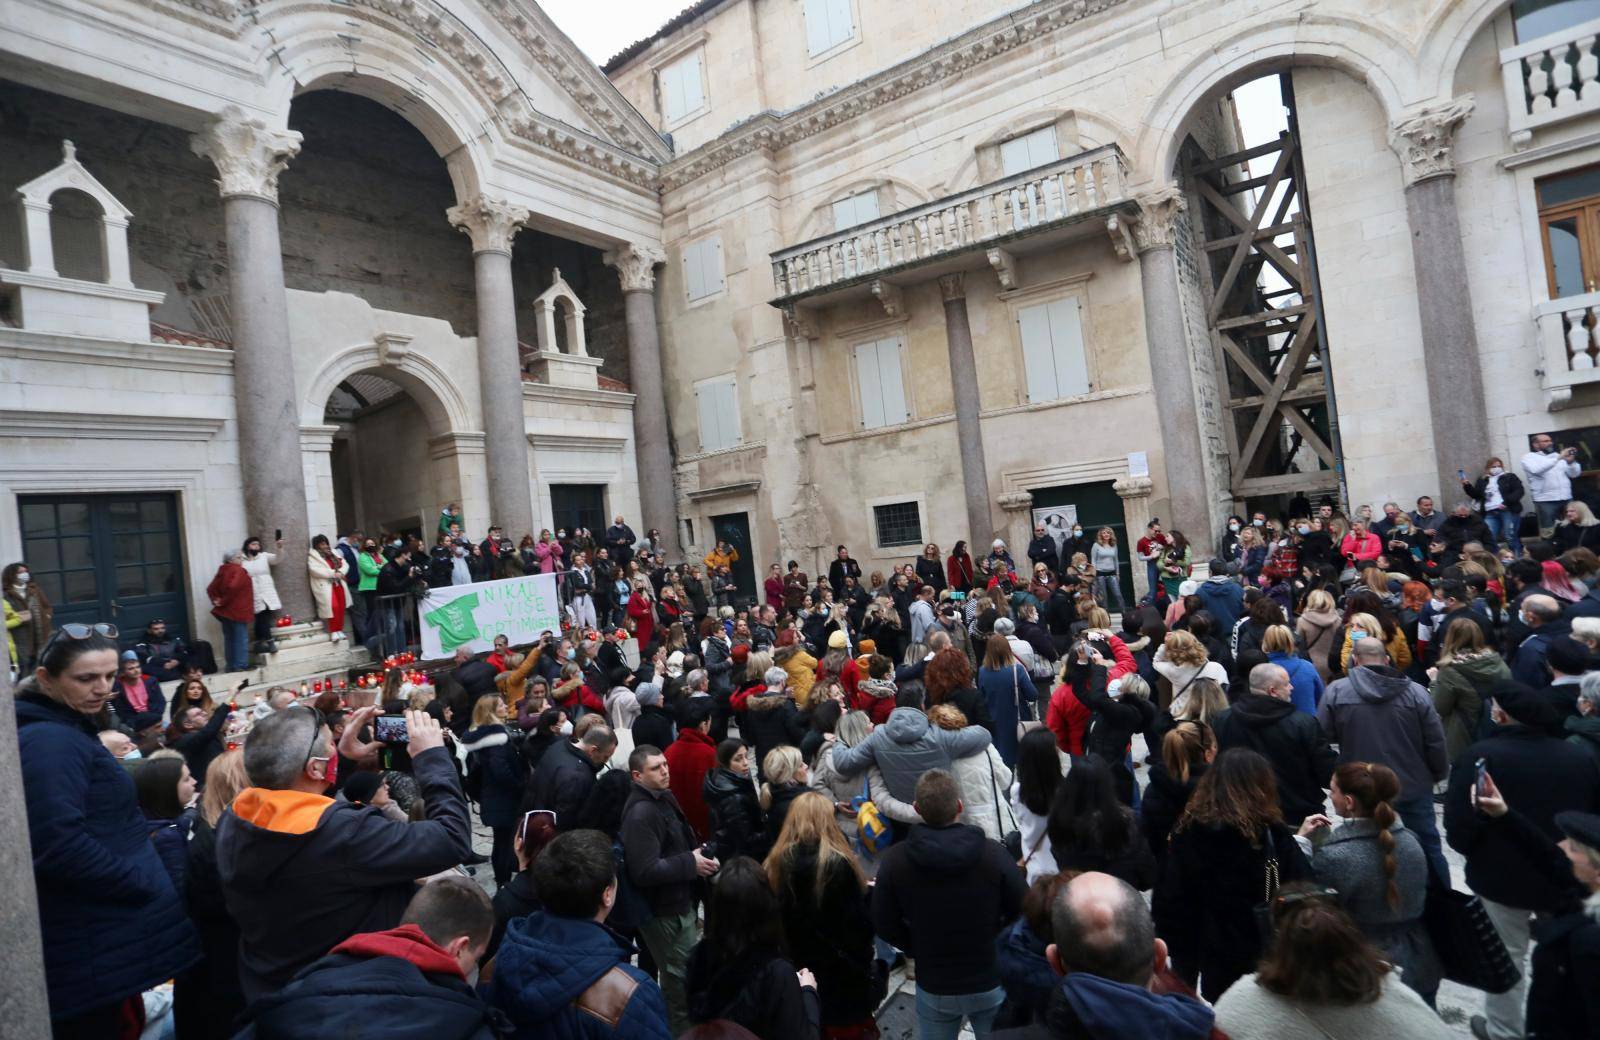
[[1374, 788]]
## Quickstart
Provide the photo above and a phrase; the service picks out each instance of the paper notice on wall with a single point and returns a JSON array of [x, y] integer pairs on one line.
[[470, 616], [1138, 464]]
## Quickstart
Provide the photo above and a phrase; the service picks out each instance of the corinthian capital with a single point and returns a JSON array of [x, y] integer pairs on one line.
[[1425, 140], [636, 266], [248, 154], [1157, 218], [491, 223]]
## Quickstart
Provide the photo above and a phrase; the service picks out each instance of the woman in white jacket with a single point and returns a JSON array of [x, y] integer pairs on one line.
[[1037, 777], [1179, 662], [327, 569], [259, 566], [984, 777]]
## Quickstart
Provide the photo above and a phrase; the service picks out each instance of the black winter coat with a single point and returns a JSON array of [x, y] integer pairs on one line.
[[783, 796], [757, 989], [654, 726], [1563, 999], [1291, 740], [737, 827], [1539, 776], [1111, 727], [1132, 862], [207, 997], [563, 782], [772, 720], [658, 845], [830, 934], [931, 572], [1165, 798], [1204, 905], [1511, 491], [491, 753]]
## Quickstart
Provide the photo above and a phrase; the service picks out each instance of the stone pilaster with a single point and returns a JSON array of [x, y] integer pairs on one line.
[[1425, 143], [652, 443], [1171, 374], [1135, 495], [492, 223], [1018, 507], [248, 156], [969, 432]]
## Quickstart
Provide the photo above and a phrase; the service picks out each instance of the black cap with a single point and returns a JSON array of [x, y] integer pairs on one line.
[[1523, 704], [1568, 656], [1581, 827]]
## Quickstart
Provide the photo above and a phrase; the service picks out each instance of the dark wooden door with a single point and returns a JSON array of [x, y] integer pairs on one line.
[[579, 505], [1098, 506], [734, 528]]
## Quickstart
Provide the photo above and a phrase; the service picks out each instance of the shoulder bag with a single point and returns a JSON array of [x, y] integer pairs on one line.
[[1470, 950], [1011, 837], [1025, 713], [1263, 909]]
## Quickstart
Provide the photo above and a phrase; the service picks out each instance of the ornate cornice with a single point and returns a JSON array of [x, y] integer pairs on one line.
[[1425, 140], [490, 222], [636, 266], [248, 154], [540, 130], [769, 130], [1157, 218]]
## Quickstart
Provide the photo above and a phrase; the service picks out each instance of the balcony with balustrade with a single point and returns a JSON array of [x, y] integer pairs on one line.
[[988, 225], [1569, 345], [1551, 79]]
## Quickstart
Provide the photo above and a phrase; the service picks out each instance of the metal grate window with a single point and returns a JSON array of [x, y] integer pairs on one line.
[[898, 523]]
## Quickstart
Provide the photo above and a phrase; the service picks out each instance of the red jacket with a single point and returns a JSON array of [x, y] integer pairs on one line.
[[689, 759], [643, 613], [1068, 719], [232, 597], [958, 571], [774, 589], [583, 695], [1367, 547], [849, 677]]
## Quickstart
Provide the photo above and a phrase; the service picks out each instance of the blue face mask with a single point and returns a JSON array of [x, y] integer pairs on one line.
[[133, 755], [571, 653]]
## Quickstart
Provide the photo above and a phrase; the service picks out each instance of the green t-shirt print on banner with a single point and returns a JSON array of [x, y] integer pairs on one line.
[[455, 622]]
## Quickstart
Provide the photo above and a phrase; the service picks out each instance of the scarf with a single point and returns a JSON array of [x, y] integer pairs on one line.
[[138, 696]]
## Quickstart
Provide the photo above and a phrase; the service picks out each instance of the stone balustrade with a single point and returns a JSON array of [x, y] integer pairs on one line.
[[1550, 79], [1044, 198], [1569, 344]]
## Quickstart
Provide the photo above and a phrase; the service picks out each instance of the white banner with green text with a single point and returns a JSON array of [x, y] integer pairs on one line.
[[472, 615]]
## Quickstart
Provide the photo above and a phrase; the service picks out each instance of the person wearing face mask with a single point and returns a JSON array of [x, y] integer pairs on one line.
[[111, 921], [264, 590], [1075, 542], [1228, 544], [369, 564], [1499, 497], [31, 609]]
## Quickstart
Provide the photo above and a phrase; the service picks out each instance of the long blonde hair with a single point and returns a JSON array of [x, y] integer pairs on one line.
[[810, 821], [225, 778], [780, 767], [1206, 700]]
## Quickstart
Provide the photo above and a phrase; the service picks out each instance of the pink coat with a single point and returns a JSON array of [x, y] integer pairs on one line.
[[549, 556], [1364, 547]]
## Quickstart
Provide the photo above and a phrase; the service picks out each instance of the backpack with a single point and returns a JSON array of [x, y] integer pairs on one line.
[[873, 833]]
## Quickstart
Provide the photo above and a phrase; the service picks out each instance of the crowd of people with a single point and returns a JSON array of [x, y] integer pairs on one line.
[[720, 812]]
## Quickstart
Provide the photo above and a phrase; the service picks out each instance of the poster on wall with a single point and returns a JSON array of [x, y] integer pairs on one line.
[[1057, 522], [470, 616]]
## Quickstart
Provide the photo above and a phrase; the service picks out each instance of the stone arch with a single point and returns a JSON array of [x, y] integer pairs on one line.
[[451, 96], [1445, 40], [1367, 54], [906, 196], [35, 197], [389, 356], [560, 306]]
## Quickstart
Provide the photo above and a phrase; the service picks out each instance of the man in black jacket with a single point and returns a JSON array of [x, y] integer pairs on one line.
[[943, 865], [619, 542], [614, 670], [1264, 720], [565, 777], [410, 980], [1043, 548], [663, 858], [841, 568], [300, 871], [474, 674], [1539, 775]]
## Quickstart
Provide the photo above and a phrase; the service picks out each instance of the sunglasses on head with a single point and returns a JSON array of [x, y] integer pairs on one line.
[[77, 631]]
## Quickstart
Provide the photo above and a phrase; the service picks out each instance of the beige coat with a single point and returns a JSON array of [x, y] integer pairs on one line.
[[323, 575]]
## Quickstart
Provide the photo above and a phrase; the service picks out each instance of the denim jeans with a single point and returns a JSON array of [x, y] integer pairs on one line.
[[939, 1017], [236, 644], [1417, 814], [1503, 526], [1549, 513], [1109, 587], [1152, 575]]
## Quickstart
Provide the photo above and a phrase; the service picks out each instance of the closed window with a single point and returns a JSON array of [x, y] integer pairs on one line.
[[1052, 349], [719, 413], [897, 523], [857, 209], [883, 395], [702, 267], [1535, 18], [682, 88], [828, 24], [1029, 150], [1569, 217]]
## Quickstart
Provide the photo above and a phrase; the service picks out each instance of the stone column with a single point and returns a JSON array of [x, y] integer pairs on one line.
[[492, 223], [1171, 374], [1018, 507], [1424, 141], [652, 446], [27, 1009], [964, 382], [249, 155], [1135, 495]]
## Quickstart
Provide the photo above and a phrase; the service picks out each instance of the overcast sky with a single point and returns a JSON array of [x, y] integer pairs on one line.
[[604, 27]]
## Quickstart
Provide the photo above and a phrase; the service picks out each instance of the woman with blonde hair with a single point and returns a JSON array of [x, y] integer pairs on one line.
[[1578, 528], [1371, 626], [984, 779], [783, 779], [822, 896], [495, 766], [1314, 629], [1462, 683], [1305, 684], [1180, 661]]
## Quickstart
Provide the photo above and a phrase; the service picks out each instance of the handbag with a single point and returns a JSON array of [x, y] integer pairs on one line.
[[1263, 909], [1025, 714], [1011, 838], [1470, 950]]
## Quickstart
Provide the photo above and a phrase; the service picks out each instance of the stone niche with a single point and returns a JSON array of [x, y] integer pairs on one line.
[[562, 357], [99, 298]]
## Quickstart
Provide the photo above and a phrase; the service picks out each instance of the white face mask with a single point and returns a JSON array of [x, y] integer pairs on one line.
[[1233, 527], [1302, 531], [1257, 522], [1077, 531], [566, 729], [1495, 471], [23, 577], [133, 755]]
